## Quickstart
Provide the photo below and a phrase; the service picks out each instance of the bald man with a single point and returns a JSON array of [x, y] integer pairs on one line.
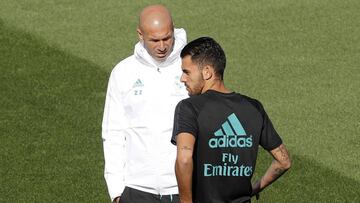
[[142, 93]]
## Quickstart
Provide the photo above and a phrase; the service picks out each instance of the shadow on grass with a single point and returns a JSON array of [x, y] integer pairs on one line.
[[50, 122], [307, 181]]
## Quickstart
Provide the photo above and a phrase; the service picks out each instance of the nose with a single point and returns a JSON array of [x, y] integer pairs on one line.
[[182, 78], [162, 46]]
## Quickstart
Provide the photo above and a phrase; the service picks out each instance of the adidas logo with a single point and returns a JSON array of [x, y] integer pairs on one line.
[[138, 83], [230, 134]]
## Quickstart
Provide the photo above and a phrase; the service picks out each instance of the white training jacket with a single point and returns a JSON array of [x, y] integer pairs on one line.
[[138, 119]]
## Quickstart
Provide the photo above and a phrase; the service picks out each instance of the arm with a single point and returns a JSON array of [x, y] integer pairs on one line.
[[279, 166], [184, 166], [113, 135], [117, 200]]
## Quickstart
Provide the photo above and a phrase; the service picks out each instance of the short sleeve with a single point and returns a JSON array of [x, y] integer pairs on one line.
[[269, 138], [185, 120]]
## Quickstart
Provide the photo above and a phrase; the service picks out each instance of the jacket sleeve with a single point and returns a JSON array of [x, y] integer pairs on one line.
[[113, 135]]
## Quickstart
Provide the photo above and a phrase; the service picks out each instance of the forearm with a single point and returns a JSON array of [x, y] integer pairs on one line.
[[114, 155], [184, 166], [273, 173], [184, 170], [278, 167], [113, 136]]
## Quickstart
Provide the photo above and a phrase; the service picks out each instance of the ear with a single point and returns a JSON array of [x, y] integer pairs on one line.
[[207, 72], [140, 34]]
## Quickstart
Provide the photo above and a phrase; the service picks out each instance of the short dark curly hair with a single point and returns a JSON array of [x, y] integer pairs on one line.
[[206, 51]]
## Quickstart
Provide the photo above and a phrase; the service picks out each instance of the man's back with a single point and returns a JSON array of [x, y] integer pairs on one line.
[[217, 133], [228, 128]]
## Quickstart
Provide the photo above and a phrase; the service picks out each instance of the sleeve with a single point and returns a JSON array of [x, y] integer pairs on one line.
[[269, 138], [185, 120], [113, 136]]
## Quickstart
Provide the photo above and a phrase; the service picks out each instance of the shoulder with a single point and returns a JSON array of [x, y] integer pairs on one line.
[[126, 68], [254, 102], [194, 103], [185, 103], [196, 99], [124, 72], [125, 64], [180, 35]]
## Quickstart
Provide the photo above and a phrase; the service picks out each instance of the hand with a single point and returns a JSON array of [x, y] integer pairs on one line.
[[117, 200], [256, 189]]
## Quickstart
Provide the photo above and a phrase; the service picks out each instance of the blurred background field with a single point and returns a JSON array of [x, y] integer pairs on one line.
[[299, 58]]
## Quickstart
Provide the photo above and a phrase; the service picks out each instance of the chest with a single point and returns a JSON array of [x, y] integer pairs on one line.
[[150, 98], [153, 88]]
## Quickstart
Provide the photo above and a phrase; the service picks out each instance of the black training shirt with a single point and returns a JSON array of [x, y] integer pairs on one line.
[[228, 128]]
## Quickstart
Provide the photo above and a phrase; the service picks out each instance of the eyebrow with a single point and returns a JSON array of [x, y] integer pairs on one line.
[[185, 70]]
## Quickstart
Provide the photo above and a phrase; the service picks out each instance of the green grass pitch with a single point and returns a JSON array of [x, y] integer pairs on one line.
[[300, 58]]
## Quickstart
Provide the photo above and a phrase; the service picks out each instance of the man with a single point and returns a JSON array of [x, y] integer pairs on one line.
[[217, 133], [142, 93]]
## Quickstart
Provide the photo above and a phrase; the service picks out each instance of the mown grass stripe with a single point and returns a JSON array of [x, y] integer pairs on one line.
[[50, 113]]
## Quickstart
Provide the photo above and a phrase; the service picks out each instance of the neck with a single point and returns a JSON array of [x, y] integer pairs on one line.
[[217, 85]]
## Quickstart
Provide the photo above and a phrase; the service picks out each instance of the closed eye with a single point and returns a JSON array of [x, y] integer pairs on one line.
[[185, 71]]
